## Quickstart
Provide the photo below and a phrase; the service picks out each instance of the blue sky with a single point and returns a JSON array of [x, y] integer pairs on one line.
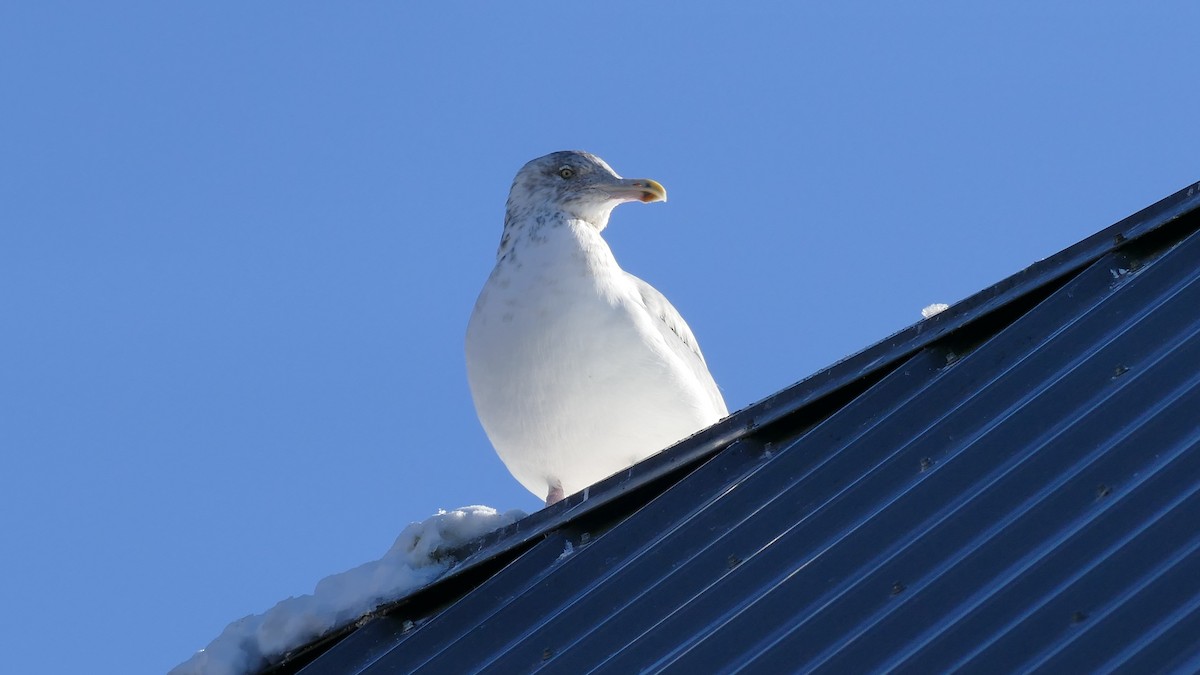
[[239, 244]]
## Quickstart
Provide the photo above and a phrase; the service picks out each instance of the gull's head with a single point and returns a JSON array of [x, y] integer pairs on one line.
[[579, 185]]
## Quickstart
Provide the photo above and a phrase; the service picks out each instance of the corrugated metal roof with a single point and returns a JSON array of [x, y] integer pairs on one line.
[[1013, 485]]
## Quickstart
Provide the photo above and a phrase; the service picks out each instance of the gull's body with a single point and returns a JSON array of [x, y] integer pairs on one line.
[[579, 369]]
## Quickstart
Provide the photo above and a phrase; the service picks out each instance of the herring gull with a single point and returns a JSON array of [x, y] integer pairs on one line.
[[579, 369]]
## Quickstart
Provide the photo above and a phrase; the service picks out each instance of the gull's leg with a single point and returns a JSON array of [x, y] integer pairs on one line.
[[555, 494]]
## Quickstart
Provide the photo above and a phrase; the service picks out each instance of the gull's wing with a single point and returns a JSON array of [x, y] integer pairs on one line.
[[682, 341]]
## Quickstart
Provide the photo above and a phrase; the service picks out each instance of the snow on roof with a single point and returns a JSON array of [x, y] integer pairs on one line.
[[416, 559]]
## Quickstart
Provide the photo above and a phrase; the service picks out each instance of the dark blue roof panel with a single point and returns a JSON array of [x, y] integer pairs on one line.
[[1011, 486]]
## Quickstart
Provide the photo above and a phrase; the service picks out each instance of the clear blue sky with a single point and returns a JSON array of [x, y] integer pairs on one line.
[[239, 243]]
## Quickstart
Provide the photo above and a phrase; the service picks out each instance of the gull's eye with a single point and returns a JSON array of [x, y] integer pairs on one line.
[[566, 172]]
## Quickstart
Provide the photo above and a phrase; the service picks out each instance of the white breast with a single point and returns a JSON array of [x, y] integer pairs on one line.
[[572, 379]]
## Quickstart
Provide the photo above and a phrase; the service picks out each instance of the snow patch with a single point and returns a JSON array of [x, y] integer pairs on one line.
[[417, 558], [935, 308], [568, 551]]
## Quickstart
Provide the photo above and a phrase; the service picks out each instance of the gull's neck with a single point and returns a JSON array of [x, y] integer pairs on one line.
[[524, 224]]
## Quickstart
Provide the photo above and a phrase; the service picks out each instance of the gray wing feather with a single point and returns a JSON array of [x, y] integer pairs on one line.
[[682, 341]]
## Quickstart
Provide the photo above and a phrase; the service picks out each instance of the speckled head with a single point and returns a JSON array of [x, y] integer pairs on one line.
[[577, 184]]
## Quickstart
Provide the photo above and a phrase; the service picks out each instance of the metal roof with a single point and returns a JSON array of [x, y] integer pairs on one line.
[[1011, 485]]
